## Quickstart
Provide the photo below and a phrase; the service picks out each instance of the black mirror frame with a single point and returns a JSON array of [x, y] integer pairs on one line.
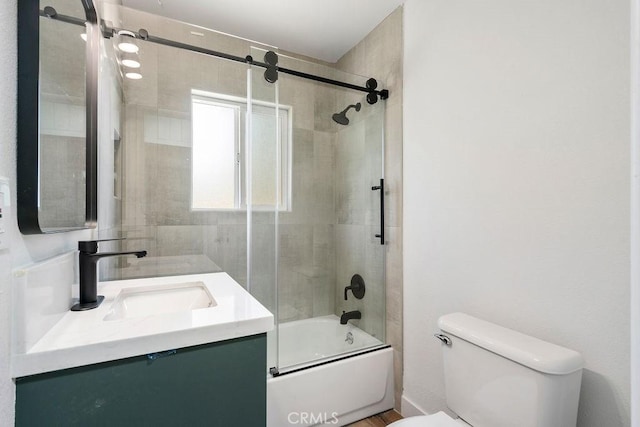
[[28, 147]]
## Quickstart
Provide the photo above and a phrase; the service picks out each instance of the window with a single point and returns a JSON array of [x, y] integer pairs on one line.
[[218, 153]]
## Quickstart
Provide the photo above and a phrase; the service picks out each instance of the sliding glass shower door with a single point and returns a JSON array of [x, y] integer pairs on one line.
[[180, 158], [315, 260], [266, 181]]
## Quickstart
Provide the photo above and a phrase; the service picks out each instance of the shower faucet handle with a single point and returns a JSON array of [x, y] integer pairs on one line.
[[357, 287]]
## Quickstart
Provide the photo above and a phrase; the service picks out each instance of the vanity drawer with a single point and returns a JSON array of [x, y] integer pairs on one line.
[[217, 384]]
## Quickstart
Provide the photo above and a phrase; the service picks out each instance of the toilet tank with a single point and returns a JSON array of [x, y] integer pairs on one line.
[[497, 377]]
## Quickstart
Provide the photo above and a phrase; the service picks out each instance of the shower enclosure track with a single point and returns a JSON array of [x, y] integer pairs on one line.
[[143, 34], [275, 372], [270, 65]]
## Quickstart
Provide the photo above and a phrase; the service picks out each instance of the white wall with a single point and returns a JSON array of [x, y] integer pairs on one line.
[[24, 249], [635, 213], [516, 172], [7, 156]]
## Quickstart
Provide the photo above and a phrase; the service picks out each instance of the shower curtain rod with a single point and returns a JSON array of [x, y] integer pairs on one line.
[[270, 65]]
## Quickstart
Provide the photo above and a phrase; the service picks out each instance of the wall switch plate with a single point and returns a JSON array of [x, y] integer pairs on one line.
[[5, 210]]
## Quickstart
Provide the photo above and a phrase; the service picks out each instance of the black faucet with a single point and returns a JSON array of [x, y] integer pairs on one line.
[[350, 315], [89, 257]]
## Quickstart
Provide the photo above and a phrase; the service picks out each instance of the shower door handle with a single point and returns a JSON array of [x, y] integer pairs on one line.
[[381, 188]]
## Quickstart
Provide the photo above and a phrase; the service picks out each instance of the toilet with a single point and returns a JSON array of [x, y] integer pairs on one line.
[[497, 377]]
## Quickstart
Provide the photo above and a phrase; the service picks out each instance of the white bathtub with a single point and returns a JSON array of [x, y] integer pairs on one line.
[[337, 392]]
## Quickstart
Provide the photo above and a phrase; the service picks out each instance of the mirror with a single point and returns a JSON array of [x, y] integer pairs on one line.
[[58, 43]]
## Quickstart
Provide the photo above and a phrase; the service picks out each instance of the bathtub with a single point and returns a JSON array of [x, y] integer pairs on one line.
[[330, 374]]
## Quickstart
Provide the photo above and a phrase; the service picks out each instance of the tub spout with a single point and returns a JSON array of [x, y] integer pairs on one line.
[[350, 315]]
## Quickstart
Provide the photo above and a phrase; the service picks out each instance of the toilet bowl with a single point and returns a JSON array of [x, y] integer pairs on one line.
[[439, 419], [497, 377]]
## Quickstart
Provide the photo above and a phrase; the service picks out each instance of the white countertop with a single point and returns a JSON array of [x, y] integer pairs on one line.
[[84, 338]]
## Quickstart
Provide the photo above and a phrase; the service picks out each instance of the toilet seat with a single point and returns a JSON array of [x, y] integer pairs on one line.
[[439, 419]]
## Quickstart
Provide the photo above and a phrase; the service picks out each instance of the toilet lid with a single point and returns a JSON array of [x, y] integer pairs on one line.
[[439, 419]]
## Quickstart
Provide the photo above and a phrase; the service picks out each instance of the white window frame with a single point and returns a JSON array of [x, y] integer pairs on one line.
[[286, 149]]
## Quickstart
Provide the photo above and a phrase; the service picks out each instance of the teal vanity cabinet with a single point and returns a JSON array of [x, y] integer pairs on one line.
[[218, 384]]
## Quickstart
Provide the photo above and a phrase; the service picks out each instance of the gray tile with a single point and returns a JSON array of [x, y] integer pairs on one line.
[[393, 163], [350, 178]]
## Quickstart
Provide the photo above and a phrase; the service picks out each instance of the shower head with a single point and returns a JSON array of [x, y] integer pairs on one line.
[[341, 117]]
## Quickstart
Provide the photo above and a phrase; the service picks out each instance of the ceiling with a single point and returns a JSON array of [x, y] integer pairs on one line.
[[321, 29]]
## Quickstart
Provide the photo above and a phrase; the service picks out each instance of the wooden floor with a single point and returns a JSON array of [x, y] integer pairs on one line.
[[380, 420]]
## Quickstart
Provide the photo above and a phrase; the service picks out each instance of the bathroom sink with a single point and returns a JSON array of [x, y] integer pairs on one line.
[[160, 299]]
